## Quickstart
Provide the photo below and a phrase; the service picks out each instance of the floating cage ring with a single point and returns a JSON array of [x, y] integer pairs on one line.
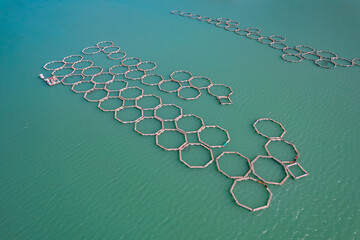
[[108, 52], [276, 160], [284, 57], [252, 30], [356, 61], [148, 95], [326, 52], [318, 62], [119, 58], [115, 66], [184, 116], [81, 91], [123, 62], [200, 77], [148, 134], [134, 78], [212, 21], [272, 120], [65, 60], [146, 62], [130, 121], [223, 85], [141, 91], [82, 61], [241, 32], [350, 63], [62, 76], [188, 98], [231, 28], [309, 49], [214, 146], [261, 40], [181, 71], [91, 91], [103, 74], [286, 49], [254, 36], [149, 75], [53, 69], [115, 80], [305, 173], [245, 206], [196, 166], [195, 16], [168, 119], [221, 25], [176, 12], [70, 84], [204, 19], [92, 75], [104, 42], [305, 55], [170, 148], [228, 175], [85, 50], [166, 81], [223, 19], [185, 14], [233, 23], [277, 38], [289, 143], [275, 45], [110, 97]]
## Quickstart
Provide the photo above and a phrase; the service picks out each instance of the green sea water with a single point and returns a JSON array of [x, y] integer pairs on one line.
[[70, 171]]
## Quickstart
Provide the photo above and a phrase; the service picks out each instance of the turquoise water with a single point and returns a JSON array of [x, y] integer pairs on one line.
[[70, 171]]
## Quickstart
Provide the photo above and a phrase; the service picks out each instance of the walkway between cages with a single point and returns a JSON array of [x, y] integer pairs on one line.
[[75, 71]]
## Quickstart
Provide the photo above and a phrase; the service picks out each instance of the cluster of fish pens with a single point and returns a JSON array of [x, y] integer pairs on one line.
[[125, 101], [181, 82], [132, 68], [286, 166], [321, 58]]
